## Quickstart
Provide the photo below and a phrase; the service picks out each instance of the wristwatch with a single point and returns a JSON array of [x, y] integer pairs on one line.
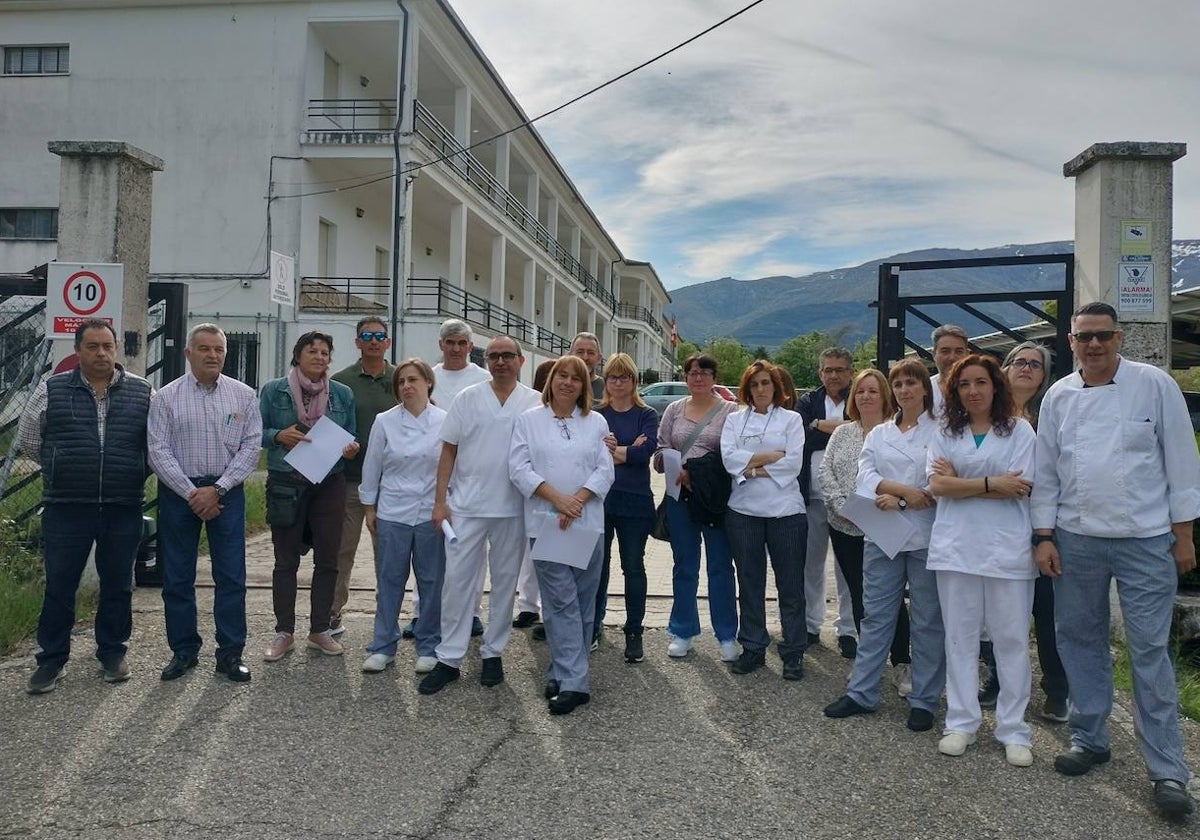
[[903, 503], [220, 491], [1038, 539], [813, 425]]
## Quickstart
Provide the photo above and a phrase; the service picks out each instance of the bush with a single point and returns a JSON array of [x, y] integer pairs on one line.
[[21, 587]]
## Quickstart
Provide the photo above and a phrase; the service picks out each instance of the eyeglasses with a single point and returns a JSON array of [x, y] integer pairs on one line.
[[1102, 335], [506, 356], [619, 378], [699, 373], [1032, 364], [835, 370], [369, 336], [562, 428]]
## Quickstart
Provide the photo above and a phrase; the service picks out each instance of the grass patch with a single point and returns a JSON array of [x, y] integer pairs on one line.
[[1187, 676]]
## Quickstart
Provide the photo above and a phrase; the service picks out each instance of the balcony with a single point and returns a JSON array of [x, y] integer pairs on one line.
[[639, 313], [469, 169], [435, 296], [349, 122], [345, 295]]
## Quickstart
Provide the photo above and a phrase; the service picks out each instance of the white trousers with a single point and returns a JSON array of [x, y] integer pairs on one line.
[[1004, 607], [494, 545], [416, 598], [815, 556], [529, 596]]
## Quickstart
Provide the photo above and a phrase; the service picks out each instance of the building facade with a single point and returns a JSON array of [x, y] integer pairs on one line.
[[365, 138]]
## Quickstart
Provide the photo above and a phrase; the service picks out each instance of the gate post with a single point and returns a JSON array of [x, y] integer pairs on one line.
[[1123, 239], [104, 195]]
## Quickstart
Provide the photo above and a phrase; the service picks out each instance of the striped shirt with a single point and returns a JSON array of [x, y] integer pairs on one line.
[[197, 430]]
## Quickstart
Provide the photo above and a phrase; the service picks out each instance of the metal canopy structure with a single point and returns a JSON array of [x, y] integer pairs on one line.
[[895, 308]]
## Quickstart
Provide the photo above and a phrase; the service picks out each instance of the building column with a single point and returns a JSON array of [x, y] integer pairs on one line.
[[552, 217], [572, 325], [462, 116], [1123, 239], [576, 242], [528, 303], [548, 304], [499, 252], [458, 246], [591, 323], [533, 194]]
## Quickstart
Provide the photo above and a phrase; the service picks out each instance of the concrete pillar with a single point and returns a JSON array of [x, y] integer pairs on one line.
[[458, 246], [499, 249], [572, 325], [533, 194], [548, 304], [529, 302], [462, 115], [552, 217], [1123, 239], [104, 200], [503, 148], [591, 324], [576, 241]]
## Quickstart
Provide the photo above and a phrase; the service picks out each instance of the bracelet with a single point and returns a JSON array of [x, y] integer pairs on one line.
[[985, 485]]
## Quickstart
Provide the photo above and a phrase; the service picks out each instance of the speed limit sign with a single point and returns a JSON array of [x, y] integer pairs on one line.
[[76, 292]]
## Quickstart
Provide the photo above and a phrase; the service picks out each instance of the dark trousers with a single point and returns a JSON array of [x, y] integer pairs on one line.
[[178, 541], [848, 551], [68, 532], [785, 538], [320, 518], [1054, 676], [631, 533]]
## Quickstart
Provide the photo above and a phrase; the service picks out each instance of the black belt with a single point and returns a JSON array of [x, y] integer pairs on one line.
[[204, 480]]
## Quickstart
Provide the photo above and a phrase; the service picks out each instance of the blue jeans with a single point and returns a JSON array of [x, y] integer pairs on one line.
[[68, 531], [883, 592], [1146, 582], [685, 578], [178, 539], [631, 533], [401, 547]]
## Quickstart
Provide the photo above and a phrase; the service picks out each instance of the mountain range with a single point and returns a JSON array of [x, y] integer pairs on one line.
[[771, 310]]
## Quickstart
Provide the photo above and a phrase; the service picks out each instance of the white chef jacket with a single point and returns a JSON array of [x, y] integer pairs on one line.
[[891, 455], [1116, 461], [481, 428], [447, 384], [540, 452], [747, 433], [399, 472], [988, 537], [939, 396]]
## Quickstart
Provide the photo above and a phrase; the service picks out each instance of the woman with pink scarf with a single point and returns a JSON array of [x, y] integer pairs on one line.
[[299, 512]]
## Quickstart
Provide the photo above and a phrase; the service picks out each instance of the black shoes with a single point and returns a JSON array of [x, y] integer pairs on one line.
[[845, 707], [539, 633], [116, 671], [44, 679], [814, 639], [793, 670], [179, 665], [633, 648], [410, 630], [989, 693], [1172, 798], [233, 668], [848, 647], [492, 673], [551, 689], [1055, 710], [566, 702], [525, 618], [437, 679], [476, 626], [748, 662], [920, 720], [1079, 760]]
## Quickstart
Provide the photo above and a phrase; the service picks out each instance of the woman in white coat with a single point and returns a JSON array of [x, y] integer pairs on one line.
[[398, 477], [892, 470], [762, 447], [559, 462], [980, 469]]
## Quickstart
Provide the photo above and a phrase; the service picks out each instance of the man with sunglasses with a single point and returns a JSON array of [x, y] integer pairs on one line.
[[370, 378], [1115, 492], [486, 512]]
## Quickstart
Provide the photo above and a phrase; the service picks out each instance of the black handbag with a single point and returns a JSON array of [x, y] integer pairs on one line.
[[285, 497]]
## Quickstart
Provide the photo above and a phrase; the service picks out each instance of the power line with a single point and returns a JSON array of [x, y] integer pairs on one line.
[[555, 110]]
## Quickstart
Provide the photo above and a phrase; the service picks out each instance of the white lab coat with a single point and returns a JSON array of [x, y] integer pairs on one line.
[[747, 433], [891, 455]]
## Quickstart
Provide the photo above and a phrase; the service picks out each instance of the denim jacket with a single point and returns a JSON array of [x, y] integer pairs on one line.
[[279, 412]]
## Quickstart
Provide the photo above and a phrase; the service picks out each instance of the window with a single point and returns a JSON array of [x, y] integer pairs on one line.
[[23, 223], [36, 61]]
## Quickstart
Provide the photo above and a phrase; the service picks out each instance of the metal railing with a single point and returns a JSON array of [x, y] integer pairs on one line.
[[435, 296], [471, 170], [364, 295], [351, 115], [639, 313]]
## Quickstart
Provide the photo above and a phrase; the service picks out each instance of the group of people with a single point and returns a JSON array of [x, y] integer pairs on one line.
[[984, 494]]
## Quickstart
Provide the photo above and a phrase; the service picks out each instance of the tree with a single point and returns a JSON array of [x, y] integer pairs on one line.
[[685, 349], [801, 356], [761, 352], [649, 376], [732, 359], [865, 353]]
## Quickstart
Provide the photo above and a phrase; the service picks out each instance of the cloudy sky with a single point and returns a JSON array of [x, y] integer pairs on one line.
[[804, 136]]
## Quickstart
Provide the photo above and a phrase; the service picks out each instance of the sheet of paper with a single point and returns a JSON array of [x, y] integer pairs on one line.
[[573, 547], [888, 529], [448, 531], [315, 457], [672, 467]]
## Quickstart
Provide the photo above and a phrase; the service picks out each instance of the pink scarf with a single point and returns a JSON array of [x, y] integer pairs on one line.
[[308, 396]]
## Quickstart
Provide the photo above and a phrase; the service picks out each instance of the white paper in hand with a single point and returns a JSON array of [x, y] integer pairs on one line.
[[888, 529], [315, 457], [672, 467]]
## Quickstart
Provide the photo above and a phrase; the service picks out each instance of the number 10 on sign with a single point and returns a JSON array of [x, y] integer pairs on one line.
[[78, 291]]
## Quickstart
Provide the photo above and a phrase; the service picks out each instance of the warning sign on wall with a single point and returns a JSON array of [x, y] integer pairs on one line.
[[1135, 287]]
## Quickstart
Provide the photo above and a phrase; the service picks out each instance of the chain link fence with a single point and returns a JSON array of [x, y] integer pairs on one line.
[[26, 361]]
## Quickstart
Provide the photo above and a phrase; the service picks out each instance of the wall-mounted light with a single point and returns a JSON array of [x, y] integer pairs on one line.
[[358, 211], [476, 278], [429, 252], [363, 81], [510, 297]]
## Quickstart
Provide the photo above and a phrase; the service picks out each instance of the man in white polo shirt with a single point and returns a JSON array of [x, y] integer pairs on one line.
[[486, 512]]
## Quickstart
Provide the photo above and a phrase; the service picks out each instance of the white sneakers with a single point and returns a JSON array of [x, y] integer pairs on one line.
[[729, 651], [425, 664], [679, 648], [955, 743], [377, 662], [902, 678], [1018, 755]]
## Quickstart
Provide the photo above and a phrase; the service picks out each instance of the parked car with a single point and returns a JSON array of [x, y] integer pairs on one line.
[[661, 394]]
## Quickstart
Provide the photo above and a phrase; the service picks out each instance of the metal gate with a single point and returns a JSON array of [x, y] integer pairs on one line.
[[895, 308]]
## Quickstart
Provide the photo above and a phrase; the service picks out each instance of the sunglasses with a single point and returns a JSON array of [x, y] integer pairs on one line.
[[1102, 335], [1032, 364], [376, 336], [506, 356]]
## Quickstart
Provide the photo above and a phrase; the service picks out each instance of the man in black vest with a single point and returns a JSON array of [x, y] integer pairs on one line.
[[87, 428]]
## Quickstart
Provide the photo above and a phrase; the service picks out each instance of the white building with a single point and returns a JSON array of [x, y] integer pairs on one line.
[[333, 131]]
